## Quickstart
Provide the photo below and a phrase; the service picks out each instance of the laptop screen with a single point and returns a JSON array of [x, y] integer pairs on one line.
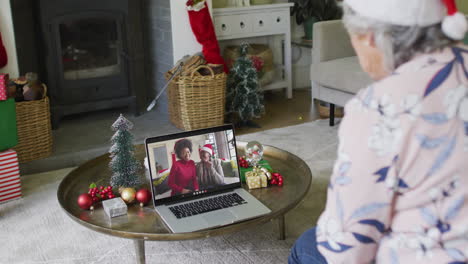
[[192, 163]]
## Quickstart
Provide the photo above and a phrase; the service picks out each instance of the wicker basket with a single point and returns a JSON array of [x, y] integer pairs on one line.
[[324, 110], [34, 129], [197, 101]]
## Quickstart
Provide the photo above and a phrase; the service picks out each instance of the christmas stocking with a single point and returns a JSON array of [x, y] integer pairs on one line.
[[203, 29], [3, 54]]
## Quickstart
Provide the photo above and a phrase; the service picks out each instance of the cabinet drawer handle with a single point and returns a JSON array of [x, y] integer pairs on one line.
[[223, 27], [242, 25], [278, 19], [261, 23]]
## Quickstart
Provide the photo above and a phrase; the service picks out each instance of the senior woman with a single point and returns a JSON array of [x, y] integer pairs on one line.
[[399, 189], [209, 170]]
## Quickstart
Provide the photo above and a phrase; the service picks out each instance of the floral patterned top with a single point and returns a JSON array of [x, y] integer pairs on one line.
[[399, 190]]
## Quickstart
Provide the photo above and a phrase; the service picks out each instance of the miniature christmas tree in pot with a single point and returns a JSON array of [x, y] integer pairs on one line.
[[244, 97], [125, 168]]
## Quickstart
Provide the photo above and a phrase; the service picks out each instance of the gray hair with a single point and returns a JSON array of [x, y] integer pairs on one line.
[[398, 43]]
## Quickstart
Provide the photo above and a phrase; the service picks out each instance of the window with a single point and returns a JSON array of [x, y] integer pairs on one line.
[[230, 138]]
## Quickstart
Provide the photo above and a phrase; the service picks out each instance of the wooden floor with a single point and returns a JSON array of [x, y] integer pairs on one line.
[[282, 112]]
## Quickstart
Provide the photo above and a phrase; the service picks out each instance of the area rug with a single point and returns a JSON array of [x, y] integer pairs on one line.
[[35, 229]]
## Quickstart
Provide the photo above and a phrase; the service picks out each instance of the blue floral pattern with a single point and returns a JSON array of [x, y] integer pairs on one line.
[[402, 156]]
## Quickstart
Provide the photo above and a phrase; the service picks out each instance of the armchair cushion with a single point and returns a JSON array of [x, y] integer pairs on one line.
[[342, 74], [331, 41]]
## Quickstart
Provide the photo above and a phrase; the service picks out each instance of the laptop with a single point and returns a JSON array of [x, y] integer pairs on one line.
[[195, 180]]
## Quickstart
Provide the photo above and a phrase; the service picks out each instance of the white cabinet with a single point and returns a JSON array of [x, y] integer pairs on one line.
[[260, 21], [230, 25]]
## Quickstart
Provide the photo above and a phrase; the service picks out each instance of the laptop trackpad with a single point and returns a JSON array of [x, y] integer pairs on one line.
[[222, 218]]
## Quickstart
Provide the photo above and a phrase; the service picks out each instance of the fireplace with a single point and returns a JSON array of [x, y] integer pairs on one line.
[[93, 55]]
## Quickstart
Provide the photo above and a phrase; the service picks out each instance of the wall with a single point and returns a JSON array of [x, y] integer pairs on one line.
[[463, 6], [160, 53], [184, 41], [8, 37]]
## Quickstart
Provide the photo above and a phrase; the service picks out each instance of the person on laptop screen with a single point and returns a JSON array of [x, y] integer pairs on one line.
[[183, 177], [209, 170]]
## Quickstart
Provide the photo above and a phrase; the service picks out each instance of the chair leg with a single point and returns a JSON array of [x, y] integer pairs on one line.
[[332, 114]]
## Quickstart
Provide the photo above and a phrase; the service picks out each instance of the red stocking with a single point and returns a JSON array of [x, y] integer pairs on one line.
[[203, 29], [3, 54]]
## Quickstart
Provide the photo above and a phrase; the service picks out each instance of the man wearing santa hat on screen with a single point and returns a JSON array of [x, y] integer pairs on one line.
[[209, 170], [399, 188]]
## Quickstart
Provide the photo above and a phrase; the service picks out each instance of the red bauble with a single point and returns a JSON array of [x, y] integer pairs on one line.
[[143, 196], [85, 201]]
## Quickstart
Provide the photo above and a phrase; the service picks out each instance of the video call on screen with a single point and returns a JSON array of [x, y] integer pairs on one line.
[[193, 164]]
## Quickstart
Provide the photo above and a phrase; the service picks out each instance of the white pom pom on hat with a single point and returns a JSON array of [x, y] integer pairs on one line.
[[415, 13]]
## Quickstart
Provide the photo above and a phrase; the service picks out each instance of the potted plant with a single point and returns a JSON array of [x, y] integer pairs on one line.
[[311, 11]]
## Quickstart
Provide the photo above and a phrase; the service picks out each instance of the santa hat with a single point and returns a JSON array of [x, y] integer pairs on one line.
[[415, 13], [208, 148]]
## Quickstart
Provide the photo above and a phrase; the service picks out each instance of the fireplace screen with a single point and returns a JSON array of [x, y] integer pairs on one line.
[[90, 48]]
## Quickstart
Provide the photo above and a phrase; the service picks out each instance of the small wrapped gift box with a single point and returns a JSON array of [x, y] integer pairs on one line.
[[114, 207], [256, 179], [10, 184], [263, 163], [3, 86]]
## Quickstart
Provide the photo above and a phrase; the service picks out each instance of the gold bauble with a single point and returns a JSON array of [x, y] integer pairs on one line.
[[128, 195]]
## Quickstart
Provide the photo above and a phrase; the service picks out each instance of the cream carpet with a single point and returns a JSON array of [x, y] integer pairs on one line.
[[35, 229]]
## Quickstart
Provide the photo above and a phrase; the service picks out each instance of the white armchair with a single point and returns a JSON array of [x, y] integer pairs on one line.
[[335, 73]]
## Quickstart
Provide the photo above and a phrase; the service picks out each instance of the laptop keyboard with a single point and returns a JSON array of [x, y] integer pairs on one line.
[[207, 205]]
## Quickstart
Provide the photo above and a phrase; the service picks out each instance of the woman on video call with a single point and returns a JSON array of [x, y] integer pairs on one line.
[[183, 177], [209, 170]]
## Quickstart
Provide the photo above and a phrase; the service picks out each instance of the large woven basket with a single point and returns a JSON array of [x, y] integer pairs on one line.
[[34, 129], [197, 101]]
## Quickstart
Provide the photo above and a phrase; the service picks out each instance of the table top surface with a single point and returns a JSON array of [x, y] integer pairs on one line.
[[145, 223]]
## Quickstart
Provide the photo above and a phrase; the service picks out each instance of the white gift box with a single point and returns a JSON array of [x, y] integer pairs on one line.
[[114, 207]]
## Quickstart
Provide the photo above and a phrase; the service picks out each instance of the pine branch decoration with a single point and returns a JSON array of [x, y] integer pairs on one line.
[[243, 89]]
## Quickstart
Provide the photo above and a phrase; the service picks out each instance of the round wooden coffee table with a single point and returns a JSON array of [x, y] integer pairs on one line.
[[142, 224]]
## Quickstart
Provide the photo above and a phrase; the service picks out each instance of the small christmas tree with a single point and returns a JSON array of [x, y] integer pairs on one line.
[[243, 90], [124, 166]]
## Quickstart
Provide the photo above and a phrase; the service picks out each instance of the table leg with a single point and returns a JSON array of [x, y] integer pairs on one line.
[[332, 114], [281, 227], [139, 250]]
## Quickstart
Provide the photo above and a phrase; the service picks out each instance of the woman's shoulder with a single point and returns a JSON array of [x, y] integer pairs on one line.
[[418, 78]]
